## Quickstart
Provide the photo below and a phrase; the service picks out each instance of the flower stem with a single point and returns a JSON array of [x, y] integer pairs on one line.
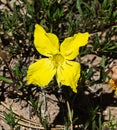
[[70, 115]]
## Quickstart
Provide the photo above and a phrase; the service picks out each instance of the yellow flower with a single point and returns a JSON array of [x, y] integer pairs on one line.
[[113, 85], [58, 59]]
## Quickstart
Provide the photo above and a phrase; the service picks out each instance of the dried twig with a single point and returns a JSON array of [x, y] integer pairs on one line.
[[26, 122]]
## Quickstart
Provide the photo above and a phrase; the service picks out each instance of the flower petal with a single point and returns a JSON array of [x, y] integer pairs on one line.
[[113, 85], [68, 74], [41, 72], [70, 46], [47, 44]]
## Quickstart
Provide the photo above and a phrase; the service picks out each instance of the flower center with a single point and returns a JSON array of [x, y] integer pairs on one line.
[[58, 59]]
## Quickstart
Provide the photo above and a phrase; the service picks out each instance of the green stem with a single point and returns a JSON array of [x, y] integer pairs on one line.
[[70, 115]]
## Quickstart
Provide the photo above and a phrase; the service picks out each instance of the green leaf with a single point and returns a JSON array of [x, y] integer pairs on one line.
[[103, 62], [6, 79], [78, 6], [90, 73], [104, 4]]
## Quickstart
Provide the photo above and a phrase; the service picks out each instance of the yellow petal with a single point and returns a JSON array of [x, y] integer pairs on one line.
[[68, 74], [41, 72], [47, 44], [113, 84], [70, 46], [116, 91]]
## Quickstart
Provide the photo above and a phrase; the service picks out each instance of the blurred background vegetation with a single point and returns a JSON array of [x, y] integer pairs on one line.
[[64, 18]]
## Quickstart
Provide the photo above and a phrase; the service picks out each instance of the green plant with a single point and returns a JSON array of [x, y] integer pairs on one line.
[[11, 120], [111, 123]]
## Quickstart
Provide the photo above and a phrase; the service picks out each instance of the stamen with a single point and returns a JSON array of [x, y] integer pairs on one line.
[[58, 60]]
